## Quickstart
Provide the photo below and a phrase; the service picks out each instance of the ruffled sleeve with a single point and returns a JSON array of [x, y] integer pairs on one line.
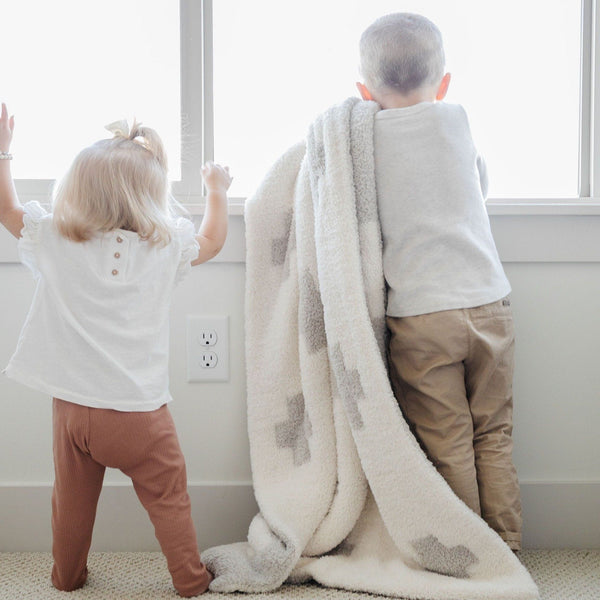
[[186, 233], [30, 234]]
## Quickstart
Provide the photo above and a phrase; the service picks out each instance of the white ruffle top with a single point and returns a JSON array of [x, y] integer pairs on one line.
[[97, 332]]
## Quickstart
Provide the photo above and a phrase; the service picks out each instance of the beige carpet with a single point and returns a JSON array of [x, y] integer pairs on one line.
[[560, 575]]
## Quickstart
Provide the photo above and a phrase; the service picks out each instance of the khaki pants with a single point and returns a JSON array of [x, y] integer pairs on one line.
[[452, 375], [144, 446]]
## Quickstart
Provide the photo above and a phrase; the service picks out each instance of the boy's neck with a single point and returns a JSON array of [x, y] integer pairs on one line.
[[396, 100]]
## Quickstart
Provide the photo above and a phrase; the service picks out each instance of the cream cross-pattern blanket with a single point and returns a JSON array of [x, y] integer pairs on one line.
[[346, 495]]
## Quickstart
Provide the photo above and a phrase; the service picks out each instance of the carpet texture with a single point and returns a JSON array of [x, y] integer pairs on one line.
[[560, 575]]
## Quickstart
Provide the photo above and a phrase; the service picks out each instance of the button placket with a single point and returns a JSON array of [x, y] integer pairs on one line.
[[120, 251]]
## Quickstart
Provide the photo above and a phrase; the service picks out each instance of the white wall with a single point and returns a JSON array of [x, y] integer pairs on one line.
[[553, 263]]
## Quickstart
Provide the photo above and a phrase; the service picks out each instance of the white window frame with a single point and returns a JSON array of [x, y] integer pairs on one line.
[[588, 200], [196, 27], [590, 119], [195, 22]]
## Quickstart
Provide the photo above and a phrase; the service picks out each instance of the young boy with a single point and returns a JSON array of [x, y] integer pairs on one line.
[[451, 331]]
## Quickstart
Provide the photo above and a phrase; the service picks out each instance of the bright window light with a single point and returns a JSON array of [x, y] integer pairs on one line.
[[515, 68], [71, 67]]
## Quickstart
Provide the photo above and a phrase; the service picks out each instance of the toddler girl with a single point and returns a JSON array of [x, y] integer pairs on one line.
[[106, 262]]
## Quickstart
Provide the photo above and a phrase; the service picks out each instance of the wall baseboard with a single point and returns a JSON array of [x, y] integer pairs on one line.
[[561, 514], [556, 515], [221, 513]]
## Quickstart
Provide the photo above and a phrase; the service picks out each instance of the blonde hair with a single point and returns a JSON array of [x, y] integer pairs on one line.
[[117, 183], [402, 52]]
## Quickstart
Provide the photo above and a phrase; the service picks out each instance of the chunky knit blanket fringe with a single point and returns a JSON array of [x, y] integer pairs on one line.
[[346, 495]]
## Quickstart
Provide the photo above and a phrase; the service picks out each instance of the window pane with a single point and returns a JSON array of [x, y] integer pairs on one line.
[[76, 66], [514, 65]]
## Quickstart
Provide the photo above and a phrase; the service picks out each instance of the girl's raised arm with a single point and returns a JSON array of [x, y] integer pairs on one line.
[[11, 212], [213, 229]]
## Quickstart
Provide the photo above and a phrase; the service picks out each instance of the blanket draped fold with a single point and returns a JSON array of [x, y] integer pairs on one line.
[[346, 495]]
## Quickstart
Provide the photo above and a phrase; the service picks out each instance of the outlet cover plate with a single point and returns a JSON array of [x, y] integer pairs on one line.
[[198, 328]]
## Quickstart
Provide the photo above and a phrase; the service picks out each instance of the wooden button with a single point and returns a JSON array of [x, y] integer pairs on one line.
[[115, 272]]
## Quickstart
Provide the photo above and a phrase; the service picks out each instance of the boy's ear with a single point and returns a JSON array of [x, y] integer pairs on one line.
[[443, 89], [365, 94]]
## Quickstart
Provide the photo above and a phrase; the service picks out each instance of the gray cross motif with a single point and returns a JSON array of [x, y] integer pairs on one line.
[[349, 386], [279, 246], [363, 163], [441, 559], [311, 314], [294, 432], [315, 151], [318, 159]]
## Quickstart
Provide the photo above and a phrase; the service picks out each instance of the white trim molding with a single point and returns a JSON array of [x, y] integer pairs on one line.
[[221, 513], [540, 233], [556, 515]]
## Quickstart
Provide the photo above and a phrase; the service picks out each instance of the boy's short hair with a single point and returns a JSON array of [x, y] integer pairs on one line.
[[401, 52]]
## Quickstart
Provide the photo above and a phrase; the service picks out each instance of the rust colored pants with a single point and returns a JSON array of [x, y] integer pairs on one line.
[[452, 374], [144, 446]]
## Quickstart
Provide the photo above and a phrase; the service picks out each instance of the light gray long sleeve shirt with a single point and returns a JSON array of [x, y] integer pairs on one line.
[[438, 249]]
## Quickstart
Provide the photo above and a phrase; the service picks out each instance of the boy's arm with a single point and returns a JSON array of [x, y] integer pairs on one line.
[[11, 213], [483, 176], [213, 229]]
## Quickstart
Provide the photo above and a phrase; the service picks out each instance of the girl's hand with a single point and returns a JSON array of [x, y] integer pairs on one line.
[[213, 229], [216, 178], [11, 212], [6, 129]]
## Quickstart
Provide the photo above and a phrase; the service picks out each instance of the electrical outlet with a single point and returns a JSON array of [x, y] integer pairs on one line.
[[209, 360], [208, 337], [208, 348]]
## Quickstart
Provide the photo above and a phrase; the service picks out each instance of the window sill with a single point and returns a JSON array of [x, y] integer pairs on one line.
[[543, 206], [525, 230], [495, 207], [235, 206]]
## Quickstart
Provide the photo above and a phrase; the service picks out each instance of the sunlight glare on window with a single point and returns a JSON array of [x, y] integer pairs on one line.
[[514, 64], [76, 66]]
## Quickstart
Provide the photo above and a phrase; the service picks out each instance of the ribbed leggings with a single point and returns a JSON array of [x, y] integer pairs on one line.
[[144, 446]]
